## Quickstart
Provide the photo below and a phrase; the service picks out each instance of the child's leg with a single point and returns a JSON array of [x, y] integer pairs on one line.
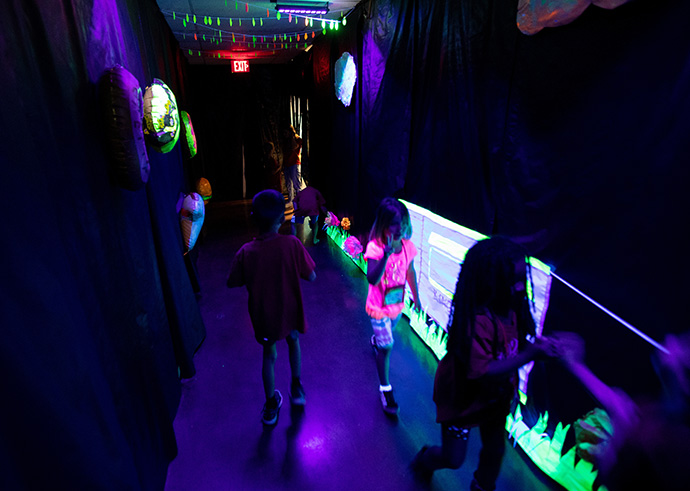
[[297, 397], [295, 354], [268, 369], [451, 453], [383, 337], [383, 357], [314, 225], [491, 454]]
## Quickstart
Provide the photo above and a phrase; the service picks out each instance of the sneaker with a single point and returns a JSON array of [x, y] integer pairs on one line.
[[269, 415], [297, 397], [389, 405], [419, 470], [373, 344]]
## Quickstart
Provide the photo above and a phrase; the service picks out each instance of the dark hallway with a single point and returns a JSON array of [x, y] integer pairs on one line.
[[342, 439]]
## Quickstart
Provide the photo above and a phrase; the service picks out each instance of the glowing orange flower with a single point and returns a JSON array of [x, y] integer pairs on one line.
[[345, 223]]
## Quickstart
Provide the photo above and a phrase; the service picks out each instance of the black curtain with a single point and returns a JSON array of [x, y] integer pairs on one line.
[[99, 319], [235, 115], [572, 141]]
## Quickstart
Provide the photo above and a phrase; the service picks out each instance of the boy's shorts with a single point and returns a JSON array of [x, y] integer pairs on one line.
[[383, 330], [313, 220], [269, 341]]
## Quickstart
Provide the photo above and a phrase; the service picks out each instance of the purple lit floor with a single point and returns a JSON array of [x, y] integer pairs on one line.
[[342, 440]]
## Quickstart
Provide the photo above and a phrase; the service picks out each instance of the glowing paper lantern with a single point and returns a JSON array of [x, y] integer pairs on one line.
[[189, 134], [161, 119], [191, 219], [123, 111], [203, 187], [345, 78]]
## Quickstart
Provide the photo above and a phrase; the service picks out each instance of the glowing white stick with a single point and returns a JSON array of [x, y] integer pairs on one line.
[[626, 324]]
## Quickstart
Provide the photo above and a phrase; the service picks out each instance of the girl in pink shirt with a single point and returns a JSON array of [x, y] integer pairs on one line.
[[390, 265]]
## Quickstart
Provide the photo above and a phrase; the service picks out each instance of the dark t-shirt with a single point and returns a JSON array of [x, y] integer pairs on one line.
[[271, 268], [308, 202], [462, 394]]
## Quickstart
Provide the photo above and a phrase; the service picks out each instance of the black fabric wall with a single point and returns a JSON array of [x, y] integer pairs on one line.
[[234, 115], [572, 141], [98, 313]]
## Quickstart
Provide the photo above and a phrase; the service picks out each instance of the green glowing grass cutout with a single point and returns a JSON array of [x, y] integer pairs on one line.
[[339, 236], [545, 452]]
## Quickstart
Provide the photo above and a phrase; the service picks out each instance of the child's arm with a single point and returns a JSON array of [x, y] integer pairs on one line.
[[619, 406], [235, 276], [412, 281], [312, 276], [542, 348], [376, 267]]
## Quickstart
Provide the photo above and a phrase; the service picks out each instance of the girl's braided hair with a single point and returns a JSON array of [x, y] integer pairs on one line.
[[484, 284]]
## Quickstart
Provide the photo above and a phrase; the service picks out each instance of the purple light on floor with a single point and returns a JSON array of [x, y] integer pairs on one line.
[[314, 443]]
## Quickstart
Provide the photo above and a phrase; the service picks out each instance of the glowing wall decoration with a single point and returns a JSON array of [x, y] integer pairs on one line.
[[345, 78], [123, 112], [189, 134], [534, 15], [203, 187], [442, 246], [191, 219], [161, 118]]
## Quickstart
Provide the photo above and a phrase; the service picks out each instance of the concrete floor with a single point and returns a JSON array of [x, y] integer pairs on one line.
[[342, 440]]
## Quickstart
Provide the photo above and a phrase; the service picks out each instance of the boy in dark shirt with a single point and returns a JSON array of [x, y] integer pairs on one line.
[[309, 203], [271, 266]]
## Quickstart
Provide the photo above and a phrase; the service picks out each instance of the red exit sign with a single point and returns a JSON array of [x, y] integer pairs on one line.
[[240, 66]]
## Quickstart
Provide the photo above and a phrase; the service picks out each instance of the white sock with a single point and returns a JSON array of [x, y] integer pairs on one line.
[[385, 388]]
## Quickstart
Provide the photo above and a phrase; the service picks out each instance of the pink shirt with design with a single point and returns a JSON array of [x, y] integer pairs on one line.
[[394, 275]]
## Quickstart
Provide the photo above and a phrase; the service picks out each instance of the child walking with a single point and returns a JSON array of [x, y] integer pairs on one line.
[[271, 266], [477, 379], [309, 203], [390, 256]]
